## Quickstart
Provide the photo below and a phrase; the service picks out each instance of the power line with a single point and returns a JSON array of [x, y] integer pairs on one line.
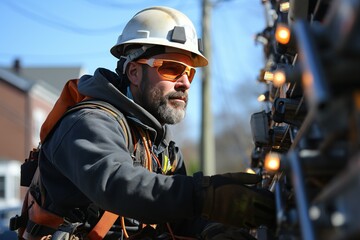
[[111, 4], [59, 24], [87, 54], [132, 5]]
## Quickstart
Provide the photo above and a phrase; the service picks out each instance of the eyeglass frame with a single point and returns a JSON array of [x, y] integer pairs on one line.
[[158, 62]]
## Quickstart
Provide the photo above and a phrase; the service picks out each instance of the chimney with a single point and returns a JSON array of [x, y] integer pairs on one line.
[[16, 66]]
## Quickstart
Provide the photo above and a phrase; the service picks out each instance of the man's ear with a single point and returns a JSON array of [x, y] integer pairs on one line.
[[134, 72]]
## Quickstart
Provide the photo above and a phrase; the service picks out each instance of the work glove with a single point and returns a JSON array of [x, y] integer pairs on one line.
[[233, 199], [218, 231]]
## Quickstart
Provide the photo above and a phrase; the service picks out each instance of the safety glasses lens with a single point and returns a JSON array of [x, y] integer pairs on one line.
[[191, 74], [174, 70], [171, 69]]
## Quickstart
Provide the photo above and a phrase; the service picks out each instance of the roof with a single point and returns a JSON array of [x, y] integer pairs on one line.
[[21, 83], [53, 76], [40, 88]]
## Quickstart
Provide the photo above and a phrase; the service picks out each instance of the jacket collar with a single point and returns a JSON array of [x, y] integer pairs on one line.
[[103, 86]]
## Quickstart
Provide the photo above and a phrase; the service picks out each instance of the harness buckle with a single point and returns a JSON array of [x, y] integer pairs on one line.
[[17, 222]]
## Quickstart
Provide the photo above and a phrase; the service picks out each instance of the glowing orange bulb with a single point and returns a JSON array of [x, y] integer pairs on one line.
[[272, 162], [279, 78], [282, 34]]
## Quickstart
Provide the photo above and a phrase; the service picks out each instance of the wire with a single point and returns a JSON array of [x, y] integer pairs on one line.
[[87, 54], [59, 55], [110, 4], [123, 226], [127, 6], [70, 26]]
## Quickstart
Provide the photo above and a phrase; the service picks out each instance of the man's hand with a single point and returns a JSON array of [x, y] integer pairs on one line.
[[228, 199]]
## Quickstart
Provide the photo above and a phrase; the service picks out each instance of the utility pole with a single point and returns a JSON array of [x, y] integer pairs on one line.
[[207, 148]]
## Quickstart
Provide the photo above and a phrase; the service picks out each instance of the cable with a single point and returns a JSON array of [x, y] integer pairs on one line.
[[59, 24], [110, 4], [127, 6], [80, 54]]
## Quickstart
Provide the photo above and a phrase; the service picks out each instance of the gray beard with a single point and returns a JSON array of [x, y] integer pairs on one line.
[[158, 105]]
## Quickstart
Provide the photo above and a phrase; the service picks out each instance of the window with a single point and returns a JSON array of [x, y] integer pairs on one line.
[[2, 187]]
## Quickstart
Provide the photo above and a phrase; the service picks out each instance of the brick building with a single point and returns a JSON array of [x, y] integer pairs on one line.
[[24, 104], [26, 97]]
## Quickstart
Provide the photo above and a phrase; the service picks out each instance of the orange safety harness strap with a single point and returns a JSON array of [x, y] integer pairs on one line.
[[69, 98], [41, 217], [40, 220], [106, 221]]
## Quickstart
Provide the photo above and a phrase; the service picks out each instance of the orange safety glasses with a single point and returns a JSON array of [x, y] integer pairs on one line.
[[170, 69]]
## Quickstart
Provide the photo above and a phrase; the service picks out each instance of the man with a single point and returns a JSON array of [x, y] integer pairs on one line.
[[86, 166]]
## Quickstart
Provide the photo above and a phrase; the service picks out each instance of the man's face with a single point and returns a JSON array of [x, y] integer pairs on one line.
[[165, 100]]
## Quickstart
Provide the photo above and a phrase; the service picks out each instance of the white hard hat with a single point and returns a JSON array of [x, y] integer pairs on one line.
[[161, 26]]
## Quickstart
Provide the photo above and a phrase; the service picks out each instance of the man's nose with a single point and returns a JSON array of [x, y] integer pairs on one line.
[[183, 82]]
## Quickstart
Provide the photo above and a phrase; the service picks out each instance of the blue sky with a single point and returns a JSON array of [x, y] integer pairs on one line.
[[81, 32]]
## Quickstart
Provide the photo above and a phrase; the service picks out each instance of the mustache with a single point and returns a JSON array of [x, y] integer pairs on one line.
[[178, 95]]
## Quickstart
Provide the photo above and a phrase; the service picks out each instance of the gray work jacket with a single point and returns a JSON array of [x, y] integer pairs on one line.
[[86, 160]]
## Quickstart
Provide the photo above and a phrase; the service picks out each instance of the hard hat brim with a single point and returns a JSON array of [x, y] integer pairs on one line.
[[199, 59]]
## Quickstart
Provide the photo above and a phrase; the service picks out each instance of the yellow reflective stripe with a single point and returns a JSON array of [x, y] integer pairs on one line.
[[166, 164]]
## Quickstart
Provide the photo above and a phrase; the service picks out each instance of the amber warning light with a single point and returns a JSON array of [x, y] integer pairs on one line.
[[272, 162], [279, 78], [282, 34]]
